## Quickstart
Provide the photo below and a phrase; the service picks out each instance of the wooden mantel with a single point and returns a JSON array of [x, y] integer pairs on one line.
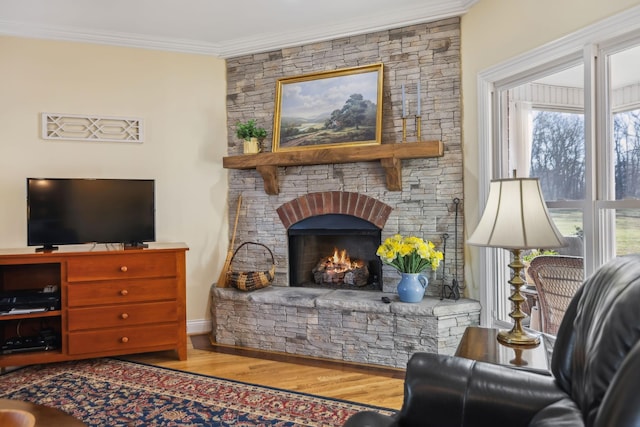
[[389, 155]]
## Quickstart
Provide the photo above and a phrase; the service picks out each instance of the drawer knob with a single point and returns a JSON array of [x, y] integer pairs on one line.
[[123, 268], [124, 292], [124, 315], [124, 339]]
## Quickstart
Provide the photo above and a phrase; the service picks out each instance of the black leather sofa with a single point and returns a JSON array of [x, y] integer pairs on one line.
[[595, 371]]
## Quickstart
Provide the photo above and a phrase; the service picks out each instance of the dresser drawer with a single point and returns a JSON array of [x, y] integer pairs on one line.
[[122, 315], [121, 266], [123, 340], [121, 292]]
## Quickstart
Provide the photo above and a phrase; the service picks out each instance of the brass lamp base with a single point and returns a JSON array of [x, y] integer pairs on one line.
[[513, 338], [517, 336], [518, 360]]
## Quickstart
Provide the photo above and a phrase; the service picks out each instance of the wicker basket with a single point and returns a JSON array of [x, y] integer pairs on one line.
[[251, 280]]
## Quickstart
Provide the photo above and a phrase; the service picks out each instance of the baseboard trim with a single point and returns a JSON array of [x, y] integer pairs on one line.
[[202, 326]]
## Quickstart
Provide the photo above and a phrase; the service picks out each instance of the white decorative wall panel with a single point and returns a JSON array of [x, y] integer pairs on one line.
[[91, 128]]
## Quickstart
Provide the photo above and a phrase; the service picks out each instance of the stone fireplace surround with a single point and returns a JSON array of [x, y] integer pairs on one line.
[[343, 324]]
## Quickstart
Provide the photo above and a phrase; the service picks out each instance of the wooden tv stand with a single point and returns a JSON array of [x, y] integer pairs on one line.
[[112, 302]]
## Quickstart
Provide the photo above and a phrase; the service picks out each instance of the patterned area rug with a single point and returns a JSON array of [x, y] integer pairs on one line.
[[110, 392]]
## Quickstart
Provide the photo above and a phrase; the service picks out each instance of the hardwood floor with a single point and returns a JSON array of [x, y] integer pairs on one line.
[[370, 385]]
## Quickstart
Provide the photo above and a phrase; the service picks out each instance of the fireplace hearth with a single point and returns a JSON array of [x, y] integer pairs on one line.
[[319, 246]]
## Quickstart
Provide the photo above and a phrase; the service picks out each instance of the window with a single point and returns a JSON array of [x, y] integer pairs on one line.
[[573, 122], [557, 154], [626, 149]]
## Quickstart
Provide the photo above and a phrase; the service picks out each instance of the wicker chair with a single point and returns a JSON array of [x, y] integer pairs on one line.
[[557, 278]]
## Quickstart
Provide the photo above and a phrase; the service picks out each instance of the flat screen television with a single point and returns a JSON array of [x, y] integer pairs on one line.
[[67, 211]]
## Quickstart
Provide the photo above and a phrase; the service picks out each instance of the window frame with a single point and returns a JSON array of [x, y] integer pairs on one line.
[[583, 47]]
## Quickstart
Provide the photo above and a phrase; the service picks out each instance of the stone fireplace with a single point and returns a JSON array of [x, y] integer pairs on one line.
[[343, 322]]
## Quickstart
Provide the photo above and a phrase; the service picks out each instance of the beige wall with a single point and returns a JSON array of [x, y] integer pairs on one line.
[[181, 98], [494, 31]]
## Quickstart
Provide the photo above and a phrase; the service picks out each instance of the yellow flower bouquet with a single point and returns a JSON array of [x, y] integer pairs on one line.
[[409, 254]]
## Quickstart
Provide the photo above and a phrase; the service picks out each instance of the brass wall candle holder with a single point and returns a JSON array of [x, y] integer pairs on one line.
[[418, 126], [404, 129]]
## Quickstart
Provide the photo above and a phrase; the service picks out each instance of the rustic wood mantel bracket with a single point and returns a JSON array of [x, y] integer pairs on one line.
[[389, 155]]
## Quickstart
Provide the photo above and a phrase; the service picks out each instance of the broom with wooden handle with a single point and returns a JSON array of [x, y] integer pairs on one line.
[[222, 280]]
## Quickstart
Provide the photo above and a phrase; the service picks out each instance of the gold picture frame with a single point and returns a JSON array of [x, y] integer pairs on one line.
[[336, 108]]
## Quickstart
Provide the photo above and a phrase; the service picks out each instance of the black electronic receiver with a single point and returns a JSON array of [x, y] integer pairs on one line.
[[26, 344], [29, 302], [14, 311], [45, 341]]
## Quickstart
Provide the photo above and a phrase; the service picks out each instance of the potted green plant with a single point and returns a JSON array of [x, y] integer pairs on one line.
[[252, 136]]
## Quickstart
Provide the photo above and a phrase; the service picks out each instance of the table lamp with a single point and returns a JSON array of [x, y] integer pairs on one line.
[[516, 218]]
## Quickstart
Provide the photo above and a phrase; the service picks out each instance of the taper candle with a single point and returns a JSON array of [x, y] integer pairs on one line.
[[404, 108], [418, 113]]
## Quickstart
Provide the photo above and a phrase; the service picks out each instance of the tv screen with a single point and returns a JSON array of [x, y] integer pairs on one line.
[[65, 211]]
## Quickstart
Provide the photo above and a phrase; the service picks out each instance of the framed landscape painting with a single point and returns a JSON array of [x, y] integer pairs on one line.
[[329, 109]]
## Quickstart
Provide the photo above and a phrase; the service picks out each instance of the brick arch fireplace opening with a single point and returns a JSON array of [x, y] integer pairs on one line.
[[332, 240]]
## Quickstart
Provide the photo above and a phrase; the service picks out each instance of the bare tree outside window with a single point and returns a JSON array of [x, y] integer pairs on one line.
[[626, 135], [557, 154]]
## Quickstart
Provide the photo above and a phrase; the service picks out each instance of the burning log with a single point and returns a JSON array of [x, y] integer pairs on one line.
[[340, 269]]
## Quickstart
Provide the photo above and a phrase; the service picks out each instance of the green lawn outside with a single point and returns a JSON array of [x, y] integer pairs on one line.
[[628, 231], [627, 227]]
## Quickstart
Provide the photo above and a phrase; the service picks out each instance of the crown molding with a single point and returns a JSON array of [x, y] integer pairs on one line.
[[20, 29], [428, 12]]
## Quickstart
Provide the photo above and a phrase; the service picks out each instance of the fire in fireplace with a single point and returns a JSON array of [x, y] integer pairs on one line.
[[340, 269], [315, 247]]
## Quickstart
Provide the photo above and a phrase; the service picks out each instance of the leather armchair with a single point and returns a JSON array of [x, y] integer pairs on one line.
[[595, 369]]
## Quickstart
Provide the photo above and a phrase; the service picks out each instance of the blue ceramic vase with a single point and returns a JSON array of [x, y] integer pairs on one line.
[[412, 286]]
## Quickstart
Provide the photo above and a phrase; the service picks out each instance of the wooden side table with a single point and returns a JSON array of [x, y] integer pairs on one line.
[[45, 416], [481, 344]]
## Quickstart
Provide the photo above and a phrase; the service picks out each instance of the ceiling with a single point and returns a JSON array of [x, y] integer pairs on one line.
[[223, 28]]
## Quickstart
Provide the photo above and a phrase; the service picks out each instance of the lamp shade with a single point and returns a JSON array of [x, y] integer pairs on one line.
[[516, 217]]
